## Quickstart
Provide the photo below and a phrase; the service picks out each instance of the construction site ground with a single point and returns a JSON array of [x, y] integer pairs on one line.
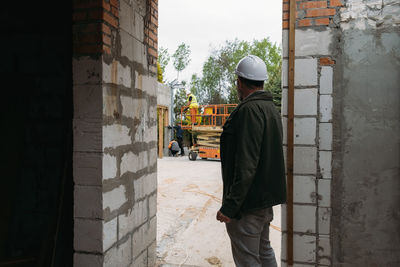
[[189, 195]]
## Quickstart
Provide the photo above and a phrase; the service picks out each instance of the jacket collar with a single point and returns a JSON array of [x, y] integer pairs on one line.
[[257, 95]]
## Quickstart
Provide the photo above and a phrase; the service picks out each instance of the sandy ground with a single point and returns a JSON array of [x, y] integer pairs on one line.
[[189, 195]]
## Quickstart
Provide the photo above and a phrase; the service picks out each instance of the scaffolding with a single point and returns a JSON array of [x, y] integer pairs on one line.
[[205, 123]]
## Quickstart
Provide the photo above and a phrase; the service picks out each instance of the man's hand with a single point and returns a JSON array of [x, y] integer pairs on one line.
[[222, 218]]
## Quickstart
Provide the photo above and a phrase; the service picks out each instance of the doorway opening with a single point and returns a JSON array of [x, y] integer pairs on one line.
[[189, 192], [36, 228]]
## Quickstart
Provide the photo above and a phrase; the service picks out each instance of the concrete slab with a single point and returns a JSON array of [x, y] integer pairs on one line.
[[189, 195]]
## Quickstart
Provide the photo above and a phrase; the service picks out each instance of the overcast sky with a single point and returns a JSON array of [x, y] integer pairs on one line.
[[203, 24]]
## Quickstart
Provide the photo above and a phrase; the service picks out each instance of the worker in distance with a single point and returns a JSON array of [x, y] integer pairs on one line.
[[253, 170]]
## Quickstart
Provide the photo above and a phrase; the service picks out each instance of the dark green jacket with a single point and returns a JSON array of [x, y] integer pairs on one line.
[[253, 169]]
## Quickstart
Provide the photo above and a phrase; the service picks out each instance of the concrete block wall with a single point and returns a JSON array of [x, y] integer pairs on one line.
[[164, 99], [346, 154], [365, 221], [313, 124], [115, 133]]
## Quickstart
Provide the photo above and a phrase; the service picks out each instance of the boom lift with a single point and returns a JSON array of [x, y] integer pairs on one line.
[[206, 123]]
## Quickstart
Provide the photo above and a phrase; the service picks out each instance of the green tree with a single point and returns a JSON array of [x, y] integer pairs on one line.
[[181, 58], [179, 102], [162, 62], [163, 58], [159, 73], [218, 81]]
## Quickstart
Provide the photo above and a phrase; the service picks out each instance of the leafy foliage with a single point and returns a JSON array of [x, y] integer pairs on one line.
[[159, 73], [218, 82], [179, 102], [163, 58], [181, 58]]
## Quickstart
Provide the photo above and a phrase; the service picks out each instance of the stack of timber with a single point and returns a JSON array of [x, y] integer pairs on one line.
[[208, 136]]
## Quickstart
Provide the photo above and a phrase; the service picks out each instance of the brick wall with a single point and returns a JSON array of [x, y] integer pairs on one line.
[[151, 30], [312, 13], [93, 23], [313, 124], [115, 135]]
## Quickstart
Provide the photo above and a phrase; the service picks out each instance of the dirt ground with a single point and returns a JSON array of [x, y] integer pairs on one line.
[[189, 195]]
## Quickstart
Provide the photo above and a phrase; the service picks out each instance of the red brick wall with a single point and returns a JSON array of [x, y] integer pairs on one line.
[[151, 31], [311, 13], [93, 21]]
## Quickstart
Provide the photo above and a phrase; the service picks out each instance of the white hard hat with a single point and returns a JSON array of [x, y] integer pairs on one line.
[[252, 68]]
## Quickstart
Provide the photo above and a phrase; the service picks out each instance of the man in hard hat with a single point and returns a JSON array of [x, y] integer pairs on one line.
[[193, 106], [173, 146], [253, 169]]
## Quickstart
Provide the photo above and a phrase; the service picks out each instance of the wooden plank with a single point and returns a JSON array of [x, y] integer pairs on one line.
[[290, 131], [160, 132], [207, 129]]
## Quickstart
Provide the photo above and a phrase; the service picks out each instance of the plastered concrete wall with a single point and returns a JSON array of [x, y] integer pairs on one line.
[[366, 188], [164, 95], [164, 99], [313, 124], [115, 143], [346, 154]]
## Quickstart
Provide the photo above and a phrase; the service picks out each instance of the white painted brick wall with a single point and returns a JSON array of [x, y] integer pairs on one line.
[[325, 102], [306, 101], [87, 168], [150, 85], [324, 192], [88, 101], [306, 73], [152, 205], [304, 189], [304, 248], [324, 220], [133, 218], [151, 252], [88, 235], [143, 237], [305, 160], [305, 131], [140, 260], [133, 49], [86, 70], [153, 156], [119, 256], [114, 198], [133, 108], [304, 218], [326, 80], [121, 74], [85, 260], [308, 42], [87, 135], [87, 202], [126, 18], [324, 250], [325, 164], [131, 162], [115, 135], [146, 134], [109, 233], [325, 136], [145, 185], [109, 166], [110, 102]]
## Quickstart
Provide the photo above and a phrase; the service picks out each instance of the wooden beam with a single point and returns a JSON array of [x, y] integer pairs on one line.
[[160, 114], [290, 131]]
